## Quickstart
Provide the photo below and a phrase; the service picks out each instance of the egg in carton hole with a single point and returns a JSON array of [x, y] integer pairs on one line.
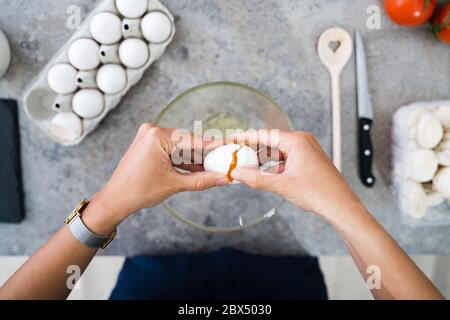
[[62, 78], [83, 54], [106, 28], [134, 53], [132, 8]]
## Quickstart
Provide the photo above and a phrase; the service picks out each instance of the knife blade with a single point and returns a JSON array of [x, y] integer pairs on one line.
[[365, 115]]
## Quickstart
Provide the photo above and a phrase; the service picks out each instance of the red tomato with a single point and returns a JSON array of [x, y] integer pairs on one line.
[[410, 12], [441, 24]]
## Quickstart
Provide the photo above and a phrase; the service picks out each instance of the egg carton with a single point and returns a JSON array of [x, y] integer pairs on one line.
[[421, 163], [51, 100]]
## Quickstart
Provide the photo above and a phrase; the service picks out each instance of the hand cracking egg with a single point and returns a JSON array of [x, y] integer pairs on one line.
[[226, 158]]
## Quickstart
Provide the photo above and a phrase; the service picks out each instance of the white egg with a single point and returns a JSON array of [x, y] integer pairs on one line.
[[106, 28], [88, 103], [66, 126], [111, 78], [222, 159], [62, 78], [83, 54], [5, 54], [132, 8], [156, 27], [133, 53]]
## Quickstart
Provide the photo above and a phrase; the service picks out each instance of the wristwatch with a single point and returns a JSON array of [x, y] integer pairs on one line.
[[82, 233]]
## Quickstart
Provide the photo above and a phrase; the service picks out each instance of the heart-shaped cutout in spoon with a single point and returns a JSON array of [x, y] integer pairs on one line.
[[334, 45]]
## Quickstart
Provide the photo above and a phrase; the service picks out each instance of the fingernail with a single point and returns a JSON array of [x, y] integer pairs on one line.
[[222, 182]]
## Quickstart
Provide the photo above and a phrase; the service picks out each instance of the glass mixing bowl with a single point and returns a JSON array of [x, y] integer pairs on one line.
[[224, 105]]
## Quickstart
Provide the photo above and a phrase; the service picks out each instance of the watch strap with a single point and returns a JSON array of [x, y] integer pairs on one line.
[[82, 233]]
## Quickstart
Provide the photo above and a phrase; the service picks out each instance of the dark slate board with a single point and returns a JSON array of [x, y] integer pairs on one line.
[[11, 192]]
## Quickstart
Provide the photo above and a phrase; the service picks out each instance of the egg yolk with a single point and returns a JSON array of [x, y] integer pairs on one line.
[[233, 165]]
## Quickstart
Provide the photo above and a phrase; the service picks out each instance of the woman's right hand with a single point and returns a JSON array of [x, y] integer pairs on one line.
[[309, 179]]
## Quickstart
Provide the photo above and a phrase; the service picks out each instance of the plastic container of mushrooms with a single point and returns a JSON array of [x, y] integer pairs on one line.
[[89, 76], [421, 163]]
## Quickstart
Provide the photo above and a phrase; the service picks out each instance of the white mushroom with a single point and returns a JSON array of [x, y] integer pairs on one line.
[[429, 131], [423, 165], [443, 115], [441, 182], [413, 200]]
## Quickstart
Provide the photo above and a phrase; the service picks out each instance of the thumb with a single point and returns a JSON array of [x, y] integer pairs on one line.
[[199, 181], [256, 178]]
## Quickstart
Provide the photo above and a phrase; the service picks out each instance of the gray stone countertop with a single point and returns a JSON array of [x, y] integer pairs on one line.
[[267, 44]]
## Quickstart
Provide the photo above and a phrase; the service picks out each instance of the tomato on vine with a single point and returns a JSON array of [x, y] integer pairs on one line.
[[441, 24]]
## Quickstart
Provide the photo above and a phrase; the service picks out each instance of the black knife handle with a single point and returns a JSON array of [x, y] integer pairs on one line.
[[365, 152]]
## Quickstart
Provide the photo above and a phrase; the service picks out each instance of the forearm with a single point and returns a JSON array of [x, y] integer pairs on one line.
[[45, 274], [371, 245]]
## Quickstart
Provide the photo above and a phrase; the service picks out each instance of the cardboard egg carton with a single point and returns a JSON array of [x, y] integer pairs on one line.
[[420, 150], [40, 100]]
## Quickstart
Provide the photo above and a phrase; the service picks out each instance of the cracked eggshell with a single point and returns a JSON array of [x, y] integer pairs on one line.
[[132, 8], [83, 54], [156, 27], [133, 53], [106, 28], [221, 158], [66, 126], [111, 78], [88, 103], [61, 78]]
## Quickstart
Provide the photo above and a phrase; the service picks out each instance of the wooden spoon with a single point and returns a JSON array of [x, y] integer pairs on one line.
[[335, 49]]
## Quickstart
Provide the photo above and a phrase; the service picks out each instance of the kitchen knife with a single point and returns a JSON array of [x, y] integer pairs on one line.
[[365, 115]]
